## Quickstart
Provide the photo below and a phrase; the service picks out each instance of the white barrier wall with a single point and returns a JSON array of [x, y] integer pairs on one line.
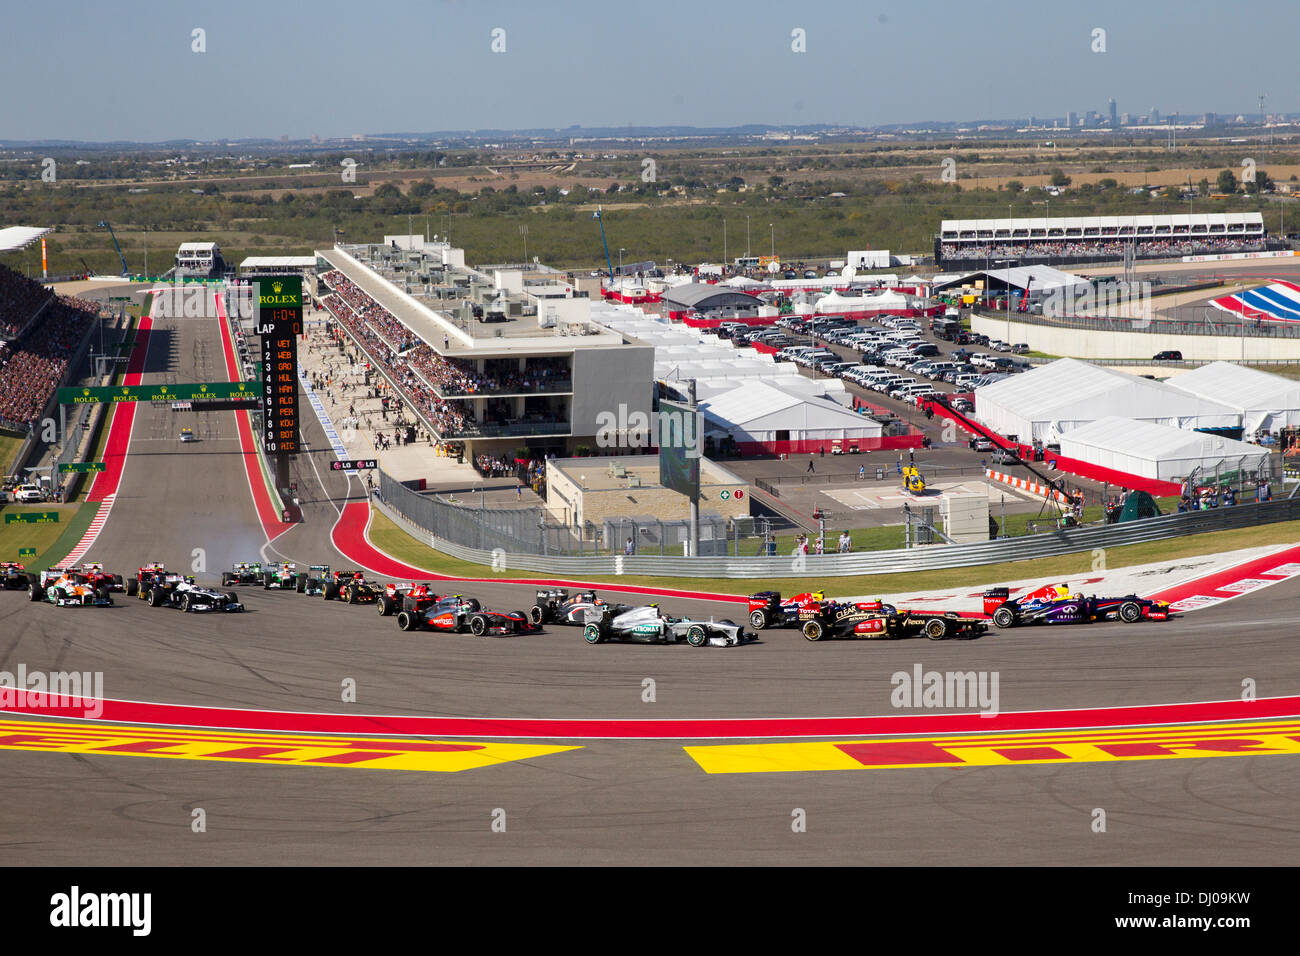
[[1093, 344]]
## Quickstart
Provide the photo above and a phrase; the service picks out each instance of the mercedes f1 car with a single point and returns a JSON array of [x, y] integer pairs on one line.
[[766, 609], [1055, 604], [558, 606], [875, 620], [242, 573], [456, 614], [67, 587], [13, 576], [352, 587], [648, 625], [313, 582]]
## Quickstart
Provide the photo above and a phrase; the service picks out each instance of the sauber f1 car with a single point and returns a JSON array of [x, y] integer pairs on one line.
[[558, 606], [879, 621], [67, 587], [242, 573], [455, 614], [648, 625], [352, 587], [766, 609], [1055, 604]]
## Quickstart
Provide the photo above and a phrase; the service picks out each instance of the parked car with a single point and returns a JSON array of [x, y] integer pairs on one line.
[[1171, 355]]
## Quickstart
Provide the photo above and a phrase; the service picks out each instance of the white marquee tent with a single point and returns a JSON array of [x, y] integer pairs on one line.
[[1158, 451], [1050, 400], [1267, 402], [758, 412]]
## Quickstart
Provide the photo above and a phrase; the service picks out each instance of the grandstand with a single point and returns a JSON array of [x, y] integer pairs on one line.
[[35, 361], [971, 243]]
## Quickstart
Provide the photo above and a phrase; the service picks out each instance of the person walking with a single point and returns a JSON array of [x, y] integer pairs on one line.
[[810, 463]]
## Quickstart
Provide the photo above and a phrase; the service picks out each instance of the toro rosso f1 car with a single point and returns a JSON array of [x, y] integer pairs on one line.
[[68, 588], [875, 620], [648, 625], [456, 614], [1055, 604], [558, 606]]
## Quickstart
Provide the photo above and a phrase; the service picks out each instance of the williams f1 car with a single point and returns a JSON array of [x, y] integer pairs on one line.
[[648, 625], [175, 590]]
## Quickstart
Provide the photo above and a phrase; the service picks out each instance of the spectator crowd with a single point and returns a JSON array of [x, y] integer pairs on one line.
[[32, 366], [1144, 248], [20, 299]]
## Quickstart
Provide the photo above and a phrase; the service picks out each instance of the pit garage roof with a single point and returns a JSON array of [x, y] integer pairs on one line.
[[20, 237]]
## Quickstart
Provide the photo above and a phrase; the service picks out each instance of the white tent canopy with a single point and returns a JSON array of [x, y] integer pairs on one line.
[[1051, 400], [20, 237], [1158, 451], [1267, 402], [757, 412]]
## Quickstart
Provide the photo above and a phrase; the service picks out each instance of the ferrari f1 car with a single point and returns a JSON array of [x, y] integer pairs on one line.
[[558, 606], [456, 614], [1055, 604], [13, 576], [175, 590], [879, 621], [648, 625], [766, 609], [102, 579], [242, 572], [352, 587], [64, 587]]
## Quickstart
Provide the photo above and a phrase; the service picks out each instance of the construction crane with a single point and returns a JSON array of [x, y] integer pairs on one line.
[[608, 263], [103, 224]]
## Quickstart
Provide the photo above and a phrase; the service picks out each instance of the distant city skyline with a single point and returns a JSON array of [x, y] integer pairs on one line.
[[130, 71]]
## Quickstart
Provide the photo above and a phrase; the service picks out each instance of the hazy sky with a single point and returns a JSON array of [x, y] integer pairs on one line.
[[125, 70]]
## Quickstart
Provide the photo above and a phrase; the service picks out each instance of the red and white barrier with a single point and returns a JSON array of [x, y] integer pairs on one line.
[[1024, 484]]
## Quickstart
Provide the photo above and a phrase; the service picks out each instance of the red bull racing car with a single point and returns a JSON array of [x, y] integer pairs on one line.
[[766, 609], [1056, 604]]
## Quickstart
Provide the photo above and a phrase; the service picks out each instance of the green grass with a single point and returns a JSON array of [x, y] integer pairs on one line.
[[9, 445], [392, 539], [51, 541]]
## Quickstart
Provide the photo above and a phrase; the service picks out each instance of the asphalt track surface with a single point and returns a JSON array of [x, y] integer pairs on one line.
[[610, 801]]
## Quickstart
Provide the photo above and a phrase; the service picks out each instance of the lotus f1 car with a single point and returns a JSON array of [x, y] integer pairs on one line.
[[242, 573], [67, 588], [13, 576], [558, 606], [456, 614], [648, 625], [879, 621], [352, 587], [1055, 604]]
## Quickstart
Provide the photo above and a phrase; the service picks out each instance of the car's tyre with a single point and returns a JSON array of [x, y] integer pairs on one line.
[[132, 588], [538, 614], [1004, 617], [385, 605], [156, 597], [478, 625], [591, 634], [1130, 612], [300, 583], [225, 579], [185, 602], [232, 597], [936, 629], [313, 585], [34, 591], [406, 620], [331, 591], [353, 596], [758, 619], [696, 636], [117, 580], [266, 581], [813, 630]]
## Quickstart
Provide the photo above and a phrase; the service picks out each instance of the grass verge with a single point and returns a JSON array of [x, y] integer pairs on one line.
[[51, 541], [390, 538]]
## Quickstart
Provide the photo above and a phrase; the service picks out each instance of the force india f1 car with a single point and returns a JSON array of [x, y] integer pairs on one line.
[[558, 606], [456, 614], [879, 621], [648, 625], [1055, 604], [283, 576], [68, 588]]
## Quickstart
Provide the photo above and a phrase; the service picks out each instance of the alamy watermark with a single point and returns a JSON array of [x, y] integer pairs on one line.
[[53, 690], [932, 689], [1128, 300], [631, 429]]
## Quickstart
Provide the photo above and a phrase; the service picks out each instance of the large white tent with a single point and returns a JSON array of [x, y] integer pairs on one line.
[[1159, 451], [1267, 402], [758, 412], [1051, 400]]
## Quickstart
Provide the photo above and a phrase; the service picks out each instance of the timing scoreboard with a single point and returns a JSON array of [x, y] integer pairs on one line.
[[279, 323]]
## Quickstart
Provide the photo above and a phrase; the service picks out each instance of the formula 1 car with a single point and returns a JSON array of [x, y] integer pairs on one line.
[[140, 585], [766, 609], [455, 614], [558, 606], [67, 587], [283, 576], [313, 582], [242, 573], [175, 590], [101, 578], [879, 621], [13, 576], [401, 595], [352, 587], [648, 625], [1055, 604]]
